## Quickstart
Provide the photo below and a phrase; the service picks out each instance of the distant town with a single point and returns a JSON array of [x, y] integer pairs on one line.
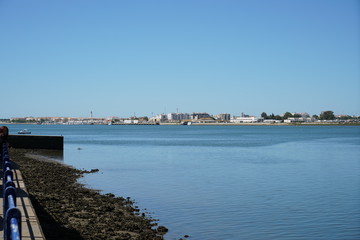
[[325, 117]]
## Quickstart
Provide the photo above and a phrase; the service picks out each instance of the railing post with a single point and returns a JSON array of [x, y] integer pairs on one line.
[[15, 229], [12, 213]]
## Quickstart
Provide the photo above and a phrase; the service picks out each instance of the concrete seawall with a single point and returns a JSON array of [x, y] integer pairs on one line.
[[36, 142]]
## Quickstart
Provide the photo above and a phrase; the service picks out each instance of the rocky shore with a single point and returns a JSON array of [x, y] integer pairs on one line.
[[68, 210]]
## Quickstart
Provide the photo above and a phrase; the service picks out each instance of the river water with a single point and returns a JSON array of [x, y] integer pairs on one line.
[[226, 182]]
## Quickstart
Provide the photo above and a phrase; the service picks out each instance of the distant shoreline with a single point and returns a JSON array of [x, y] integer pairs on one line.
[[270, 124], [213, 124]]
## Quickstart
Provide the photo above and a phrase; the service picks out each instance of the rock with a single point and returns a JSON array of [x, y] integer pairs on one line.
[[162, 229], [68, 210]]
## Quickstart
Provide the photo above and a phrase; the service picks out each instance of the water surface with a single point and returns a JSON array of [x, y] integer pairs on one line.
[[227, 182]]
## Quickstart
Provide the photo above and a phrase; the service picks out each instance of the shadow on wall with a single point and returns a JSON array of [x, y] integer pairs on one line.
[[36, 142]]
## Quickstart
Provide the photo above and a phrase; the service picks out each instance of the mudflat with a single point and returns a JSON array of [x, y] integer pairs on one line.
[[68, 210]]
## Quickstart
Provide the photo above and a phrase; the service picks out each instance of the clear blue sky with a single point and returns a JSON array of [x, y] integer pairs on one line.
[[67, 58]]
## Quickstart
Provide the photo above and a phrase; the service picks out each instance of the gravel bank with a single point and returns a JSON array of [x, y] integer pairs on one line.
[[68, 210]]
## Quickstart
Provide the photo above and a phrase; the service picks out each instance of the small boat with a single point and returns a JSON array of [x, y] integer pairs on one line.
[[24, 131]]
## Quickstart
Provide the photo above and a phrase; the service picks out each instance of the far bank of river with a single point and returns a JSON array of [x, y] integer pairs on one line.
[[218, 124]]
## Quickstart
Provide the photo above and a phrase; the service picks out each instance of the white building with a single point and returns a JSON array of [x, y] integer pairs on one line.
[[223, 117], [271, 121], [131, 121], [159, 118], [300, 119], [177, 116], [251, 119]]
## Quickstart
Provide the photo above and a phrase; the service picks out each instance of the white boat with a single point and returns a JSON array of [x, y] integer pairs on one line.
[[24, 131]]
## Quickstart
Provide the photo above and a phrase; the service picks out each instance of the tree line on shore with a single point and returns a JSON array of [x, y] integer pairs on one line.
[[325, 115]]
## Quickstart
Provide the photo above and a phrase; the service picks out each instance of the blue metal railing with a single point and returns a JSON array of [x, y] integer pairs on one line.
[[12, 215]]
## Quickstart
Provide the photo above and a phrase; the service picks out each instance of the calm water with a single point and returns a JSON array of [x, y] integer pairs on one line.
[[238, 182]]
